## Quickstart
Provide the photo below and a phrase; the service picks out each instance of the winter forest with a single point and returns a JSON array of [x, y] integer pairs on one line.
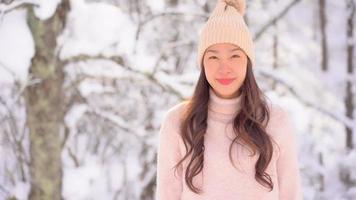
[[84, 85]]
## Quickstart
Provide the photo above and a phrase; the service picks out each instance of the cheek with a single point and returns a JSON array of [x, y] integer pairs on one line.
[[209, 74], [241, 69], [210, 69], [242, 72]]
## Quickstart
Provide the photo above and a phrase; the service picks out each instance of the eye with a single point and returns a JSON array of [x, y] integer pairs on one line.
[[235, 56], [213, 57]]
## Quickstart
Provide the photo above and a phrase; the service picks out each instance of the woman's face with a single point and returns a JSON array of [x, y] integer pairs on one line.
[[225, 69]]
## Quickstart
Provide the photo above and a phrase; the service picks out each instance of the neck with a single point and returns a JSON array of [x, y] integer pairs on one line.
[[223, 109]]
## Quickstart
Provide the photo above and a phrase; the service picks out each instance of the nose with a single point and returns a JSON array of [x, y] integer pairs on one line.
[[224, 68]]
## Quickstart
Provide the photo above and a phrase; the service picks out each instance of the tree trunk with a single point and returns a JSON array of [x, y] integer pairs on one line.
[[324, 46], [44, 106], [350, 70], [173, 2], [275, 48]]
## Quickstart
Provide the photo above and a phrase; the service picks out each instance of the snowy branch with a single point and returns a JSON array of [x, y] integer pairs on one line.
[[5, 191], [6, 8], [120, 61], [7, 69], [166, 14], [336, 116], [275, 19]]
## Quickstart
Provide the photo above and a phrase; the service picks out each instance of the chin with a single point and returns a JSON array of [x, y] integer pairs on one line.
[[228, 96], [225, 92]]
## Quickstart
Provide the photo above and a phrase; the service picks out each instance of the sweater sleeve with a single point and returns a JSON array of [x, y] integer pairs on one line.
[[169, 181], [289, 180]]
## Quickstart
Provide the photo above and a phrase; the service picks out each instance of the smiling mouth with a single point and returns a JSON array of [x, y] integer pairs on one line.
[[226, 81]]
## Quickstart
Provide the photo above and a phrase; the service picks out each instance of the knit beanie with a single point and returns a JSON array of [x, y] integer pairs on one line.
[[226, 25]]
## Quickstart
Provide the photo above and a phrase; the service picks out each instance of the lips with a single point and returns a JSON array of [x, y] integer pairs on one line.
[[225, 81]]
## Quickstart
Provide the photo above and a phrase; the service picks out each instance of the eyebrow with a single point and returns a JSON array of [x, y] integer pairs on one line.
[[216, 51], [235, 49]]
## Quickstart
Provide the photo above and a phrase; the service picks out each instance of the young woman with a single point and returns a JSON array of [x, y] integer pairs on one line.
[[227, 142]]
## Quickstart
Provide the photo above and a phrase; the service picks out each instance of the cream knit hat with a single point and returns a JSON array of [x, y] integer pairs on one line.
[[226, 25]]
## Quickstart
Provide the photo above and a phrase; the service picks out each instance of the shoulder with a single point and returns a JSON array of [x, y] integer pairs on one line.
[[171, 122], [280, 124], [282, 129], [174, 114], [277, 112]]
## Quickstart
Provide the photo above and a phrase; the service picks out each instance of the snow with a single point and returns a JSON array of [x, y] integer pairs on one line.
[[74, 114], [21, 190], [87, 182], [156, 5], [96, 29], [16, 50], [45, 9]]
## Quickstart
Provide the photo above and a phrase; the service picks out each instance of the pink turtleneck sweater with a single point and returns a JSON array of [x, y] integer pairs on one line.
[[220, 180]]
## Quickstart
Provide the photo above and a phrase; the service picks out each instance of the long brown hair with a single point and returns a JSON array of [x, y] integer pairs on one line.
[[250, 123]]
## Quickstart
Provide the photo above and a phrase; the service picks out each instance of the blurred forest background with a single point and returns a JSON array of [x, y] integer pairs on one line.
[[84, 86]]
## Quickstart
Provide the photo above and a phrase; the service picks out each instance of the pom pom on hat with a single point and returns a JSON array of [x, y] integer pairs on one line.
[[239, 5]]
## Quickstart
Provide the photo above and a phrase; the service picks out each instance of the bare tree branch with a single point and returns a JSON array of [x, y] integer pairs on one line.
[[16, 138], [73, 157]]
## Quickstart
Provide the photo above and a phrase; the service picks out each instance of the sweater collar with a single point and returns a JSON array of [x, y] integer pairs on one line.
[[223, 108]]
